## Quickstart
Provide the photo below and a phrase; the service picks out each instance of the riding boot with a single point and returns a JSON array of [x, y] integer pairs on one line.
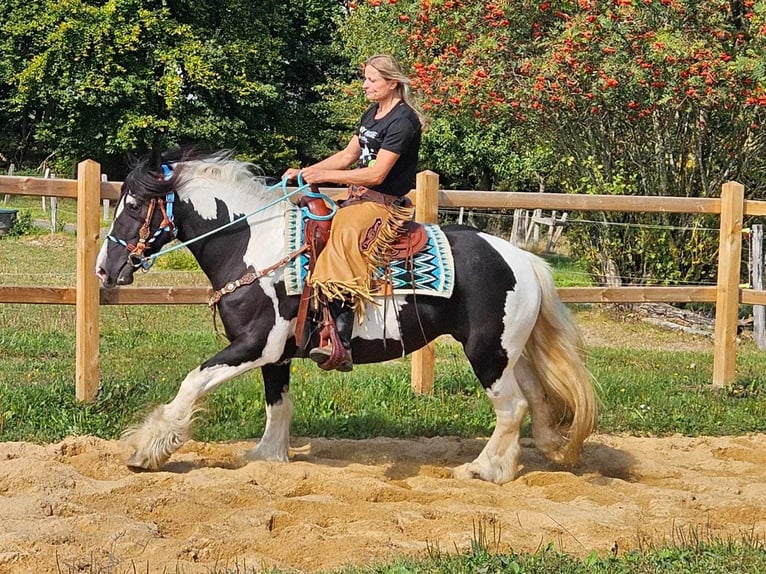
[[336, 354], [344, 325]]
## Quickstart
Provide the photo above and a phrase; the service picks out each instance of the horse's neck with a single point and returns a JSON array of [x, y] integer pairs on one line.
[[257, 242]]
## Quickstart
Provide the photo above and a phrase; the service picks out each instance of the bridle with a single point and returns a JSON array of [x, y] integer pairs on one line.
[[145, 236], [136, 255]]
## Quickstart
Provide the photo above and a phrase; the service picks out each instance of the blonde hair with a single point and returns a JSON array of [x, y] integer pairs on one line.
[[389, 69]]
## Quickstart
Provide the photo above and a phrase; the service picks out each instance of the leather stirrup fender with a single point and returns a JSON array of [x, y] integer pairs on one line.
[[315, 235]]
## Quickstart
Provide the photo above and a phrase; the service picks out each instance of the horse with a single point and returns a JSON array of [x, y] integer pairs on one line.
[[520, 339]]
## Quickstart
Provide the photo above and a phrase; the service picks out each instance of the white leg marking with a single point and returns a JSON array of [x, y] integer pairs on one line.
[[276, 436], [169, 426], [498, 461]]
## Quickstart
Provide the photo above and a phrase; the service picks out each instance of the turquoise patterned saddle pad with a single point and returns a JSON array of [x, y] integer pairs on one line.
[[430, 272]]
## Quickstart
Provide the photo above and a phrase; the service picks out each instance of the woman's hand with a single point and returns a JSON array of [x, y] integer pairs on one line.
[[291, 174], [312, 174]]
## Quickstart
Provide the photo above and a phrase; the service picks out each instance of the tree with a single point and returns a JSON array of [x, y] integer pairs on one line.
[[466, 153], [651, 97], [99, 78]]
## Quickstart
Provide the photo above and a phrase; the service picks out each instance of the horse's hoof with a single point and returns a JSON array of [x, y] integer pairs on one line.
[[256, 454], [464, 472], [137, 463], [474, 470]]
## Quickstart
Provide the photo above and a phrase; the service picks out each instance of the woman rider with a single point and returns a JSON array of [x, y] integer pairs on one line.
[[384, 156]]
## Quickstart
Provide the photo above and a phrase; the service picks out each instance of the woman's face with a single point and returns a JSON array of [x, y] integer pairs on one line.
[[376, 88]]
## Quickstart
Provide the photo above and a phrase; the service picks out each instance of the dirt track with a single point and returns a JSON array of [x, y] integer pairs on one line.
[[74, 506]]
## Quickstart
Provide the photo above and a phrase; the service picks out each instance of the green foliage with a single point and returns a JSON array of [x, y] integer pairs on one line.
[[567, 271], [178, 260], [711, 556], [632, 98], [489, 158], [143, 360], [98, 79], [642, 248], [23, 225]]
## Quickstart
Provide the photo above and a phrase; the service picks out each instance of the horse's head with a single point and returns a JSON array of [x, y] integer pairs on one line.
[[143, 223]]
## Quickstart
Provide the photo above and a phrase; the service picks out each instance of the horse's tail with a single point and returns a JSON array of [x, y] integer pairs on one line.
[[555, 351]]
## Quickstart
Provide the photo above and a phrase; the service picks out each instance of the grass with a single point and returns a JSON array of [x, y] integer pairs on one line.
[[686, 556], [713, 557], [567, 273], [66, 211], [146, 350]]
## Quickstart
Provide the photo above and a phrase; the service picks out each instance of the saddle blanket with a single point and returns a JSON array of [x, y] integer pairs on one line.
[[430, 272]]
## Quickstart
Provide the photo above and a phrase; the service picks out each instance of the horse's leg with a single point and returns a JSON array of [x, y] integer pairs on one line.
[[279, 413], [545, 430], [168, 426], [498, 461]]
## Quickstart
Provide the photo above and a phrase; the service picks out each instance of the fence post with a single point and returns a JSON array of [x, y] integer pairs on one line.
[[759, 311], [11, 169], [727, 293], [426, 211], [105, 202], [87, 298]]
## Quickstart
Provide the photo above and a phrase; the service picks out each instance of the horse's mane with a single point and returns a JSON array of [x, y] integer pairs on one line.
[[147, 179]]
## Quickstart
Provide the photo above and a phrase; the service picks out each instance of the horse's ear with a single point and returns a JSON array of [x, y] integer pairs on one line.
[[156, 161]]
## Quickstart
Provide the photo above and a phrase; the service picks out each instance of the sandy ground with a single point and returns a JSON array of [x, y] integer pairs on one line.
[[75, 507]]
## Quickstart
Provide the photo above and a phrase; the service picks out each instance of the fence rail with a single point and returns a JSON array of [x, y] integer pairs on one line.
[[90, 190]]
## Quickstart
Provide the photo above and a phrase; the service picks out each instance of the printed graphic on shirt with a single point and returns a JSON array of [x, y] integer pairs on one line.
[[368, 154]]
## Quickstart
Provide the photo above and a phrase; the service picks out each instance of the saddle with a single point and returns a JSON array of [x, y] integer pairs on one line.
[[316, 233]]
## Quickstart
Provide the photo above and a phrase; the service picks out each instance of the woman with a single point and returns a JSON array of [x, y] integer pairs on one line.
[[384, 153]]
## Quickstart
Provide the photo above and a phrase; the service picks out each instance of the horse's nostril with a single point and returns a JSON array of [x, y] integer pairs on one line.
[[124, 280], [104, 278]]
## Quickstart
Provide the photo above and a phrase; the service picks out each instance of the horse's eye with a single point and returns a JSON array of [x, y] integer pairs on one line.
[[132, 204]]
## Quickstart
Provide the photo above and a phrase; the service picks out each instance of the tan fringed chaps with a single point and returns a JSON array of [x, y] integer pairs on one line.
[[361, 235]]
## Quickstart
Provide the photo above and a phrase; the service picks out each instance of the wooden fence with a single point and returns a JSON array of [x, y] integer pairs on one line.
[[90, 190]]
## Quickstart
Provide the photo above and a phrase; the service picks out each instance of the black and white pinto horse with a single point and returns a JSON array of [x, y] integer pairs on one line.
[[517, 334]]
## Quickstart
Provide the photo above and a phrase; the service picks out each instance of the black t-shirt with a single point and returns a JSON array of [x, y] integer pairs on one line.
[[398, 132]]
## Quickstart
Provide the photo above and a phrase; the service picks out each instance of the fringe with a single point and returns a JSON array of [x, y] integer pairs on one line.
[[354, 291], [378, 255]]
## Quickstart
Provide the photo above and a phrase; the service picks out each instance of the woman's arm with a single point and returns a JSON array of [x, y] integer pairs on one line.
[[367, 176], [338, 161]]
